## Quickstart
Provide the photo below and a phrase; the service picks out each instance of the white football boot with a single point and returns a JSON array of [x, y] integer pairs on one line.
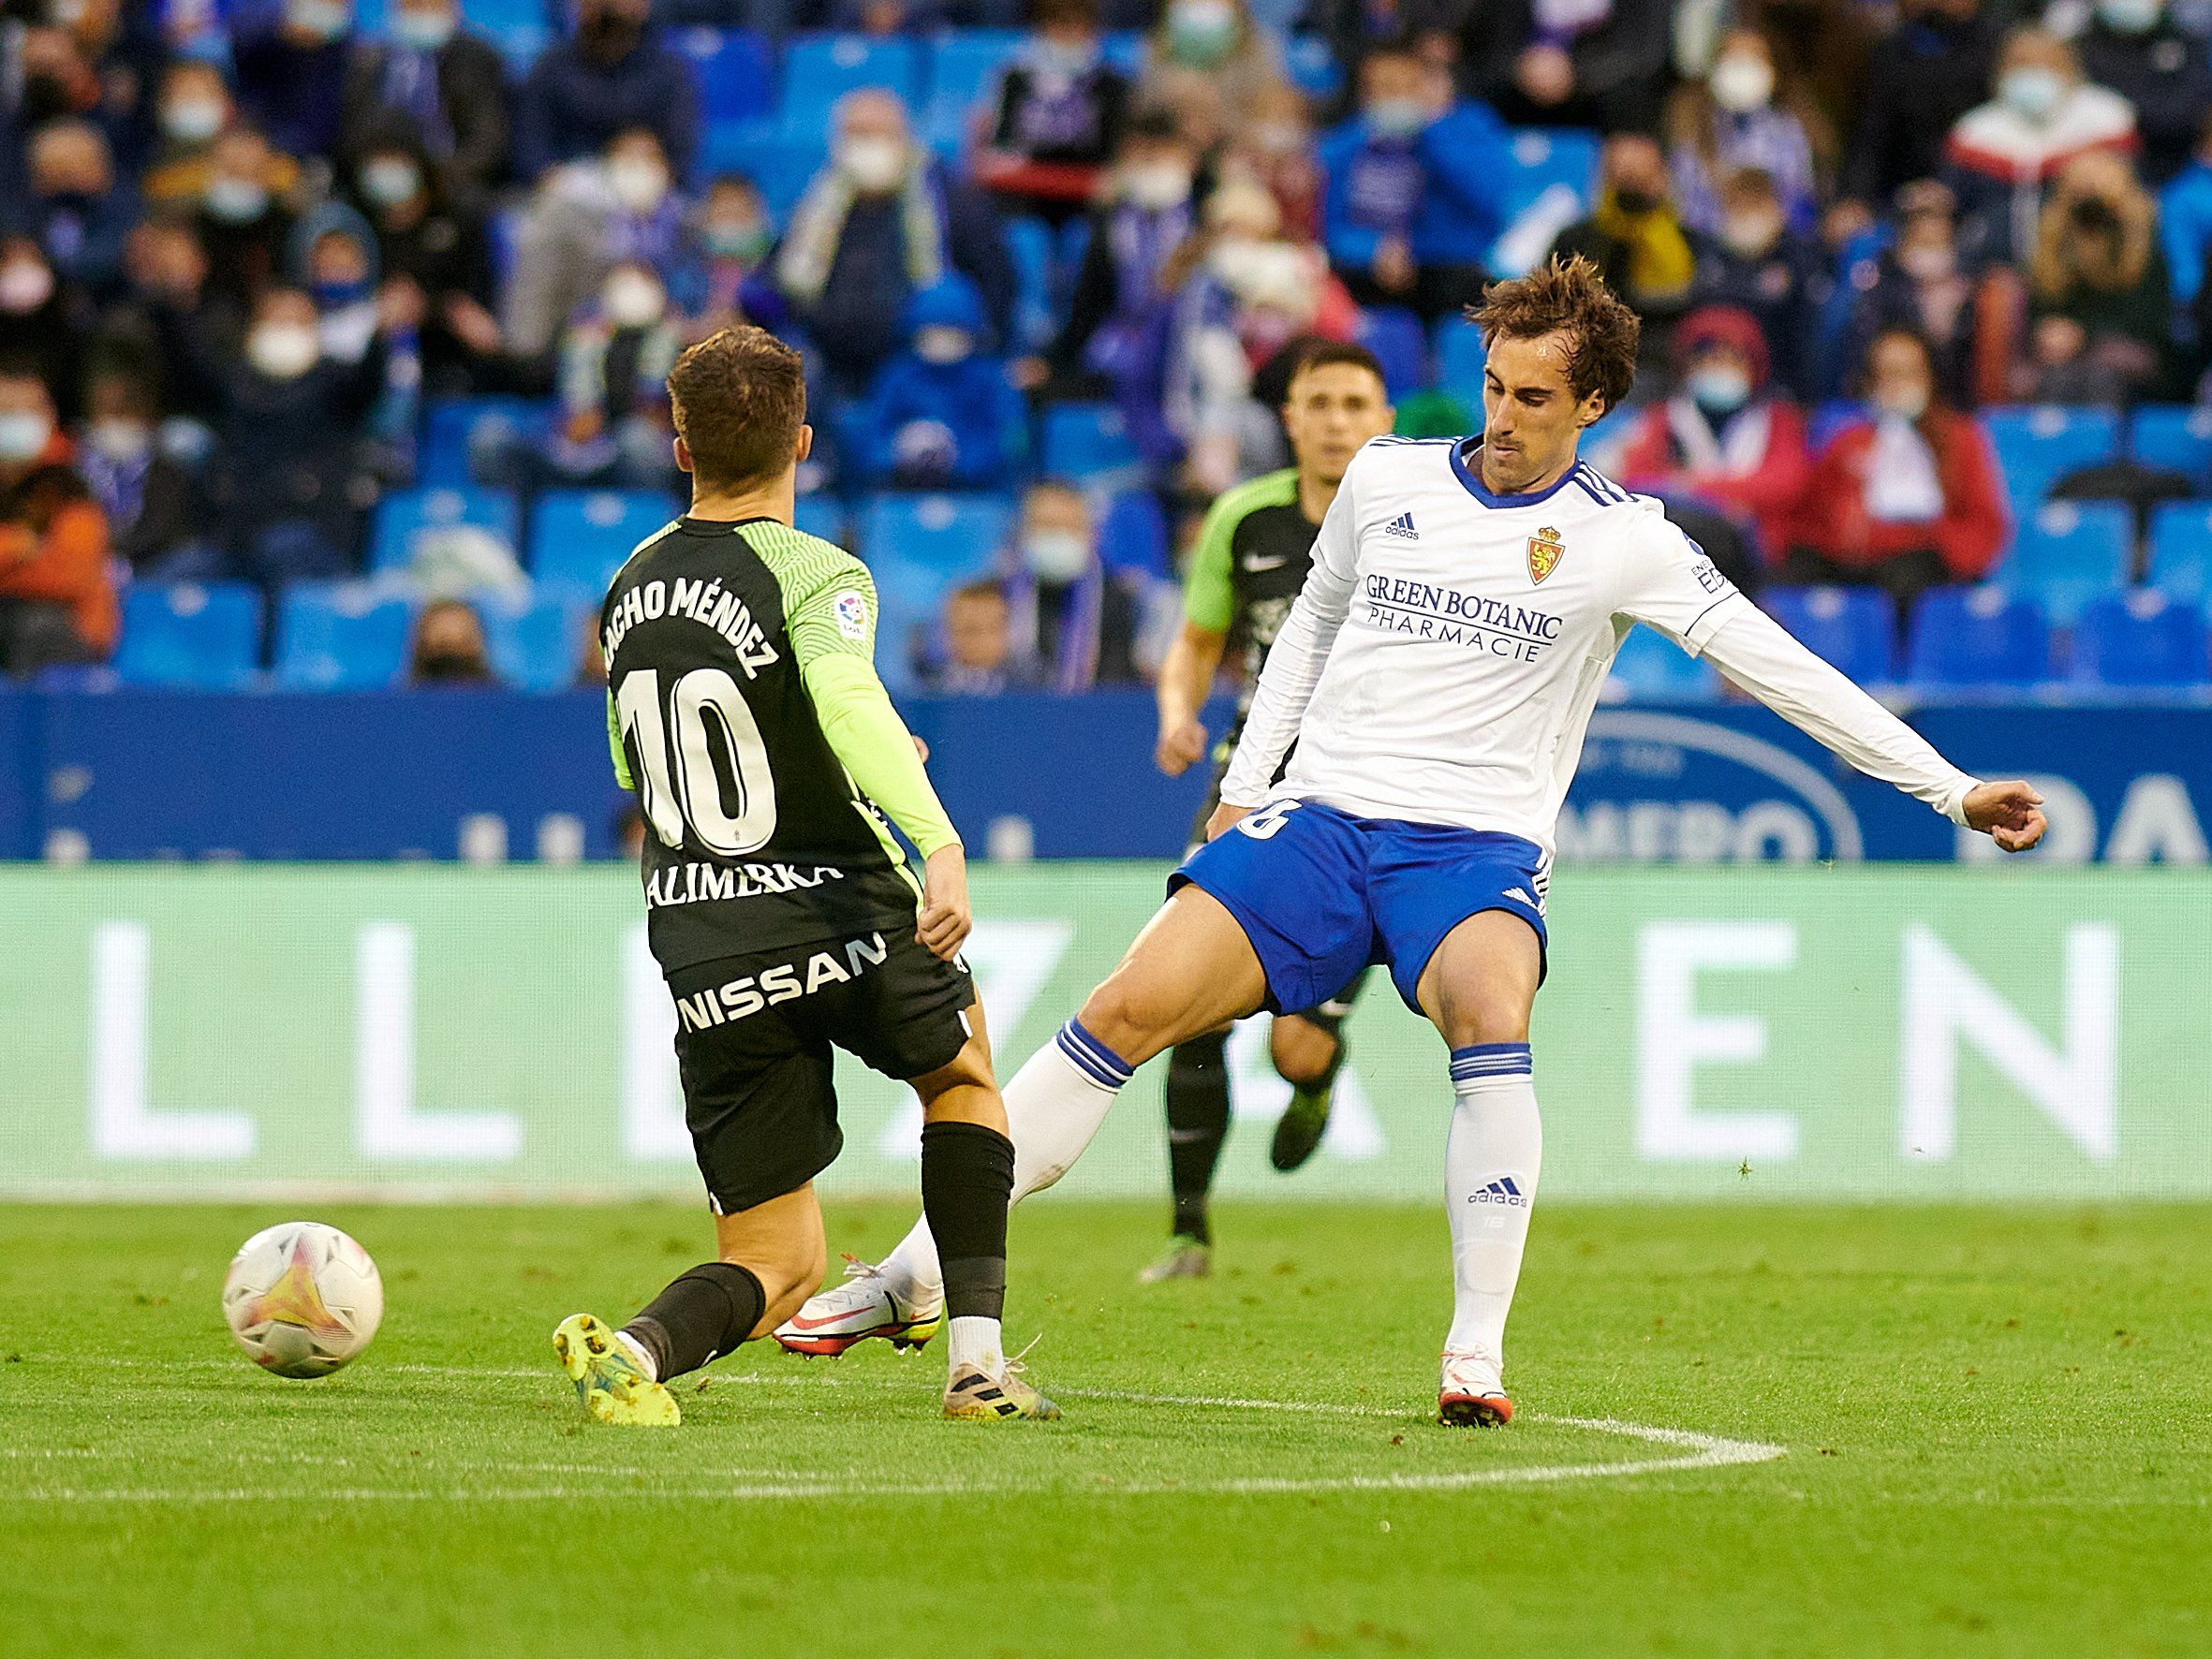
[[1473, 1395], [865, 1305]]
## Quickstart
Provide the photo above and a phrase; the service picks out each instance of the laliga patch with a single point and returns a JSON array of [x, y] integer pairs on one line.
[[1545, 551], [852, 611]]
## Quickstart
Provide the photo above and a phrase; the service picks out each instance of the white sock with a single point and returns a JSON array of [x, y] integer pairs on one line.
[[975, 1341], [639, 1353], [1491, 1160], [1054, 1107]]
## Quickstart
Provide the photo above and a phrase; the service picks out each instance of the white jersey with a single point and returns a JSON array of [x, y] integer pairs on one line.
[[1442, 660]]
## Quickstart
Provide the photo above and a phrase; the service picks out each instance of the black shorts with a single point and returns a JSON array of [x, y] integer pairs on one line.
[[754, 1035]]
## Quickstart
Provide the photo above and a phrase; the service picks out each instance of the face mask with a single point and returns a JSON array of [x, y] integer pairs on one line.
[[67, 14], [746, 244], [2131, 17], [24, 435], [873, 164], [236, 201], [1201, 32], [335, 296], [1741, 83], [422, 30], [24, 286], [1156, 185], [2031, 91], [193, 121], [120, 441], [389, 181], [940, 342], [1906, 403], [1061, 59], [1749, 235], [448, 665], [1927, 263], [1239, 262], [1057, 556], [325, 20], [633, 299], [639, 185], [282, 351], [1279, 137], [1635, 202], [1398, 118], [1720, 389]]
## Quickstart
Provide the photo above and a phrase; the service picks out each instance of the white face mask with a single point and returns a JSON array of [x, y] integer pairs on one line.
[[283, 351], [120, 441], [639, 185], [24, 286], [2131, 17], [874, 164], [1156, 185], [1904, 402], [389, 181], [1057, 556], [633, 299], [2031, 91], [940, 342], [24, 435], [1749, 235], [1720, 389], [1398, 118], [193, 121], [325, 19], [422, 30], [1740, 84], [235, 201]]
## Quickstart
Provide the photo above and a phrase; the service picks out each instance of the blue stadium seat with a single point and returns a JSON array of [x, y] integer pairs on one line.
[[1459, 359], [2037, 445], [582, 537], [1123, 49], [1398, 341], [204, 636], [1542, 158], [2181, 549], [451, 425], [1029, 243], [818, 69], [956, 535], [1311, 63], [2070, 552], [1133, 535], [1651, 666], [781, 166], [1968, 639], [406, 514], [2172, 436], [340, 635], [1853, 628], [962, 69], [536, 641], [736, 71], [1088, 441], [2141, 639], [822, 515]]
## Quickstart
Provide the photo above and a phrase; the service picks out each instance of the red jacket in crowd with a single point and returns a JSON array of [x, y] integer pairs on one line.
[[1833, 517], [1765, 492]]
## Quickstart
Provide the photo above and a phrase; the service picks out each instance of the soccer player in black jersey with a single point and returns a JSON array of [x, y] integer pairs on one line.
[[1251, 559], [744, 710]]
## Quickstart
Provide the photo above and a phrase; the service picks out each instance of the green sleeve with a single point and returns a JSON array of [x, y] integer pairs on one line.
[[622, 760], [1209, 600]]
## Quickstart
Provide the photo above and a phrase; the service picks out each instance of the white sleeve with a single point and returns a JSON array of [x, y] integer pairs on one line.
[[1671, 585], [1301, 647], [1761, 656]]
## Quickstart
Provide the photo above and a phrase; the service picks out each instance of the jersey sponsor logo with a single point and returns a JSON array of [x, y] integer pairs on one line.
[[1402, 527], [852, 611], [1498, 627], [695, 883], [1545, 551], [746, 995]]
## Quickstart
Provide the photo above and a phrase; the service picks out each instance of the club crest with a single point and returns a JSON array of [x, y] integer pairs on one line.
[[1545, 551]]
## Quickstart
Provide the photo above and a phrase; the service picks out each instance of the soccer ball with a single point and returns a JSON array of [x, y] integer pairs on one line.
[[302, 1298]]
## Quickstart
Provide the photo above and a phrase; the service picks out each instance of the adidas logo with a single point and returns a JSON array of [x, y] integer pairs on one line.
[[1501, 1191], [1402, 526]]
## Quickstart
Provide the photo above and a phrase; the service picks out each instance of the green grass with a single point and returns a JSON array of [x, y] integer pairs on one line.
[[1994, 1420]]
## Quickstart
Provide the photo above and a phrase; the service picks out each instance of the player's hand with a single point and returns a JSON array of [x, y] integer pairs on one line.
[[945, 919], [921, 748], [2009, 814], [1225, 818], [1181, 747]]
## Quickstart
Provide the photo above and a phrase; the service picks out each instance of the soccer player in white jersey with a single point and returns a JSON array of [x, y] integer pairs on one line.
[[1437, 674]]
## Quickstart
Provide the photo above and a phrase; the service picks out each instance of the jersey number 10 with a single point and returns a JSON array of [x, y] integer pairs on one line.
[[690, 782]]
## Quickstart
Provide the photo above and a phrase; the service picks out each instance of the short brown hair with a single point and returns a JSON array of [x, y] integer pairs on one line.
[[739, 398], [1329, 354], [1567, 297]]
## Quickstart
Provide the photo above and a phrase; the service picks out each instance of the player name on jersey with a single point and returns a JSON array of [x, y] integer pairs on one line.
[[707, 602]]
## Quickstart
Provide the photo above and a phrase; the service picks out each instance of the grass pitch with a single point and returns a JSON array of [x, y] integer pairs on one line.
[[1749, 1431]]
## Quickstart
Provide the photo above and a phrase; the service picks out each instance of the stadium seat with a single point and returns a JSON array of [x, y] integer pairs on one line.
[[736, 71], [1398, 341], [1853, 628], [956, 535], [2037, 445], [453, 427], [1313, 66], [1133, 535], [1542, 158], [1970, 638], [962, 69], [818, 69], [2141, 639], [340, 635], [1029, 245], [2181, 549], [1459, 359], [2070, 552], [536, 641], [2174, 436], [1651, 666], [1123, 49], [406, 514], [202, 635], [780, 166], [822, 515], [582, 537], [1088, 441]]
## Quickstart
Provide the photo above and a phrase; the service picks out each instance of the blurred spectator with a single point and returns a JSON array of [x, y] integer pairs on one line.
[[1743, 115], [1057, 116], [169, 314], [883, 219], [582, 221], [1933, 65], [1635, 238], [2185, 226], [446, 86], [243, 219], [447, 647], [1353, 28], [39, 327], [2136, 47], [77, 211], [2100, 314], [1276, 152], [1924, 283], [123, 47], [1217, 40], [57, 604], [609, 77], [1907, 500], [612, 424], [732, 236], [291, 74], [193, 111], [1757, 260], [50, 78], [440, 249], [942, 413], [2002, 154], [1071, 626], [1571, 63], [978, 643], [1725, 447], [147, 497], [1413, 189]]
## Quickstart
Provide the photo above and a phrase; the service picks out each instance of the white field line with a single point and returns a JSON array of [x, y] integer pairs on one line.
[[1697, 1451]]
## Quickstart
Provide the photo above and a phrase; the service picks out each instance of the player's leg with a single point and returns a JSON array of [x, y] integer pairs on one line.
[[1197, 1098], [1308, 1052]]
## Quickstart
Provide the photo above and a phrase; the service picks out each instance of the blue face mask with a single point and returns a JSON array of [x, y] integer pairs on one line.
[[1720, 389], [333, 296]]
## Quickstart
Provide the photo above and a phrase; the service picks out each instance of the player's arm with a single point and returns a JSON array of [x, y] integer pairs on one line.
[[614, 746], [1294, 661], [1186, 675]]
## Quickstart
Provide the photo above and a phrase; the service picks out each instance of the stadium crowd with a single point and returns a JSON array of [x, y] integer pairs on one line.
[[332, 335]]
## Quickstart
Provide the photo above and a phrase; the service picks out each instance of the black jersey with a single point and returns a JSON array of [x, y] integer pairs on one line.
[[1252, 558]]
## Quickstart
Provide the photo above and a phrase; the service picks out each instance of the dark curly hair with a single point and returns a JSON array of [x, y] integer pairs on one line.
[[1567, 297]]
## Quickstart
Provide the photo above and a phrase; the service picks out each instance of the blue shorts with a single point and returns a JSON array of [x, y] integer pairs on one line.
[[1321, 894]]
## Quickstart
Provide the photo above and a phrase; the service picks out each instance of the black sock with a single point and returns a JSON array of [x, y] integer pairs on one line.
[[707, 1311], [967, 1180], [1197, 1123]]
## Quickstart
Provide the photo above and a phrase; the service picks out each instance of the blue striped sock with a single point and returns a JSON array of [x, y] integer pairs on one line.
[[1480, 1062], [1093, 1058]]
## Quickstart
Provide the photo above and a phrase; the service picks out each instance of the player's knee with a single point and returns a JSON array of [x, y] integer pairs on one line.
[[1484, 1020], [1126, 1018], [1303, 1053]]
